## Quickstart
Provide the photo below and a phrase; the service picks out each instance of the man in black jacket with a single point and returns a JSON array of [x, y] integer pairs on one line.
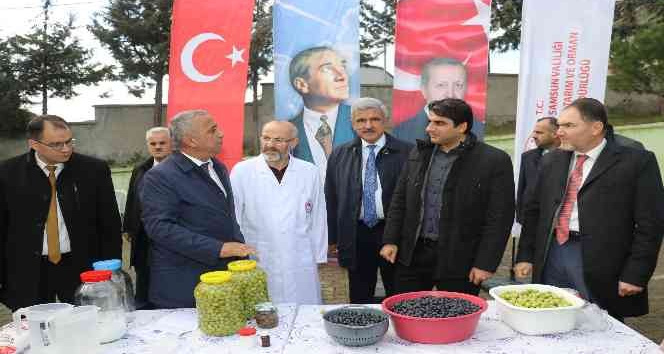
[[58, 214], [452, 209], [544, 135], [158, 141], [361, 176]]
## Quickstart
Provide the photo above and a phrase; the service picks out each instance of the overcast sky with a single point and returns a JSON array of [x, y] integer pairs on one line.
[[17, 17]]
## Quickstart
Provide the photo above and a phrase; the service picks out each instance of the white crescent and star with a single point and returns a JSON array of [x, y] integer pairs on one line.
[[483, 17], [187, 57]]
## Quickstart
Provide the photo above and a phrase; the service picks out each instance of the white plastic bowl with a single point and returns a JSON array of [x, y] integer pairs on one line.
[[538, 321]]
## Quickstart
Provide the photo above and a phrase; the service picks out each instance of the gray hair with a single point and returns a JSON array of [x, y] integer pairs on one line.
[[366, 103], [424, 72], [181, 125], [155, 130]]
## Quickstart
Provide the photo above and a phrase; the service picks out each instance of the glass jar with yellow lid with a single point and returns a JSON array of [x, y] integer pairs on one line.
[[219, 304], [252, 282]]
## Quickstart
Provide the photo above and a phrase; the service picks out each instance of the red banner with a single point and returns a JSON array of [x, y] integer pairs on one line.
[[441, 33], [208, 65]]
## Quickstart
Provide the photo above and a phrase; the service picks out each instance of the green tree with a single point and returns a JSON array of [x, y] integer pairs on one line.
[[377, 21], [12, 118], [51, 62], [506, 20], [637, 62], [260, 55], [137, 32]]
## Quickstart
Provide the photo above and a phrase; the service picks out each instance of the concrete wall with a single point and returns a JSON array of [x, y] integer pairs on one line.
[[118, 131]]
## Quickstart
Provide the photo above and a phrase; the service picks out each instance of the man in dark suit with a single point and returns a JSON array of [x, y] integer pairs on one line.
[[58, 214], [594, 219], [361, 176], [319, 75], [188, 212], [544, 135], [452, 209], [440, 78], [158, 141]]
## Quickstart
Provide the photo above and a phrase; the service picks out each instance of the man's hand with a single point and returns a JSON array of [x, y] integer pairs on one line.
[[236, 249], [477, 276], [523, 269], [389, 252], [627, 289], [332, 251]]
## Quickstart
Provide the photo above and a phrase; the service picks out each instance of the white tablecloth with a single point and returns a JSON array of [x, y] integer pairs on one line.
[[144, 336], [301, 331], [492, 336]]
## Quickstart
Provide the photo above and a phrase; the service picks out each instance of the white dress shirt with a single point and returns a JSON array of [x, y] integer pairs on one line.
[[65, 245], [587, 166], [312, 122], [210, 169], [379, 190]]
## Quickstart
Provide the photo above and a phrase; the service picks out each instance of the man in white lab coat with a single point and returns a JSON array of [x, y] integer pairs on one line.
[[280, 206]]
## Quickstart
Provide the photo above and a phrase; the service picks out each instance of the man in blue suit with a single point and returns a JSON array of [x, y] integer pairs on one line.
[[319, 75], [188, 212]]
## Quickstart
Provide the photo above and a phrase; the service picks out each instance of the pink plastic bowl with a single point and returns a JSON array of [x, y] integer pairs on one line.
[[434, 330]]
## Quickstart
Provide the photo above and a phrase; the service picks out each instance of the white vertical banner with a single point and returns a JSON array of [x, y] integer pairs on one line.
[[564, 56]]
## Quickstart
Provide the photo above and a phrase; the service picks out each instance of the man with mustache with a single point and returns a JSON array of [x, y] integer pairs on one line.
[[280, 207], [158, 141], [319, 75], [361, 176]]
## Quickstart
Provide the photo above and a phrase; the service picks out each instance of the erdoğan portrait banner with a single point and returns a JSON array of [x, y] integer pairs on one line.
[[208, 65], [442, 51]]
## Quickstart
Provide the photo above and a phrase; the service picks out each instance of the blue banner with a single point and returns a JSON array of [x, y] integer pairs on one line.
[[317, 59]]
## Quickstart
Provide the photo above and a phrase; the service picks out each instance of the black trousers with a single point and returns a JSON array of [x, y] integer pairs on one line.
[[141, 263], [419, 275], [59, 280], [362, 279]]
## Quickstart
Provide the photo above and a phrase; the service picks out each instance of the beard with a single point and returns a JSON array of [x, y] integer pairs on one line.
[[272, 156]]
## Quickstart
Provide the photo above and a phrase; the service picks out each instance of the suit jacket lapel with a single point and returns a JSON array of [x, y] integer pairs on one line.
[[302, 150], [607, 158]]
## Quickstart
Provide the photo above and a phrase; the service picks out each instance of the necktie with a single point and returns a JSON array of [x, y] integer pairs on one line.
[[52, 232], [369, 192], [206, 169], [562, 230], [324, 135]]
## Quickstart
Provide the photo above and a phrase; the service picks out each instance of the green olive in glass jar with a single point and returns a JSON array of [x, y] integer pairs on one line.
[[219, 304], [252, 282]]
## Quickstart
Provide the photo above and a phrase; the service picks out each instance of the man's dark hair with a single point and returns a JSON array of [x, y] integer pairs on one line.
[[455, 109], [591, 110], [35, 127], [553, 122], [424, 72]]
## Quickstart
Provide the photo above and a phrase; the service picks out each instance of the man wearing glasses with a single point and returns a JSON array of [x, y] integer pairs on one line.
[[58, 214], [280, 206]]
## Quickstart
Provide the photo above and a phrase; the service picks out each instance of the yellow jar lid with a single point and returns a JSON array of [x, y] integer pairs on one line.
[[242, 265], [218, 277]]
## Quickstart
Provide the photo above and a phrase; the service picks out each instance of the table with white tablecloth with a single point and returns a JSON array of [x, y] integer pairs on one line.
[[492, 336], [301, 331]]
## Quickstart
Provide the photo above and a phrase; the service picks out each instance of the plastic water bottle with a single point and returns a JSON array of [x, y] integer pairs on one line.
[[120, 278]]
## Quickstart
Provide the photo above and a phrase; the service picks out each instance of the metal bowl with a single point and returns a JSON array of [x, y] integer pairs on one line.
[[356, 336]]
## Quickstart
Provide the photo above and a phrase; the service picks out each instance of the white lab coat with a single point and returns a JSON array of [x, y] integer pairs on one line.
[[286, 223]]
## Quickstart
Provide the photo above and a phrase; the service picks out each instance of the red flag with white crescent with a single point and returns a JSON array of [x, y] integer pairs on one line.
[[452, 29], [208, 65]]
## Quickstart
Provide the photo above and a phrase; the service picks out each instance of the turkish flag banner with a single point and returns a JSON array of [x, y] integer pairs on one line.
[[442, 50], [208, 65]]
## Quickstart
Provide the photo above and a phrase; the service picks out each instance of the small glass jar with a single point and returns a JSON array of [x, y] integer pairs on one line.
[[121, 279], [253, 284], [98, 290], [219, 304], [266, 315]]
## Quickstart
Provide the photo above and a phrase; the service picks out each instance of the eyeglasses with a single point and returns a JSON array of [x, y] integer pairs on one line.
[[59, 146], [266, 139]]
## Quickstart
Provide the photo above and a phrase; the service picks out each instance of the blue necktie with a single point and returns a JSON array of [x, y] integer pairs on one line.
[[369, 192]]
